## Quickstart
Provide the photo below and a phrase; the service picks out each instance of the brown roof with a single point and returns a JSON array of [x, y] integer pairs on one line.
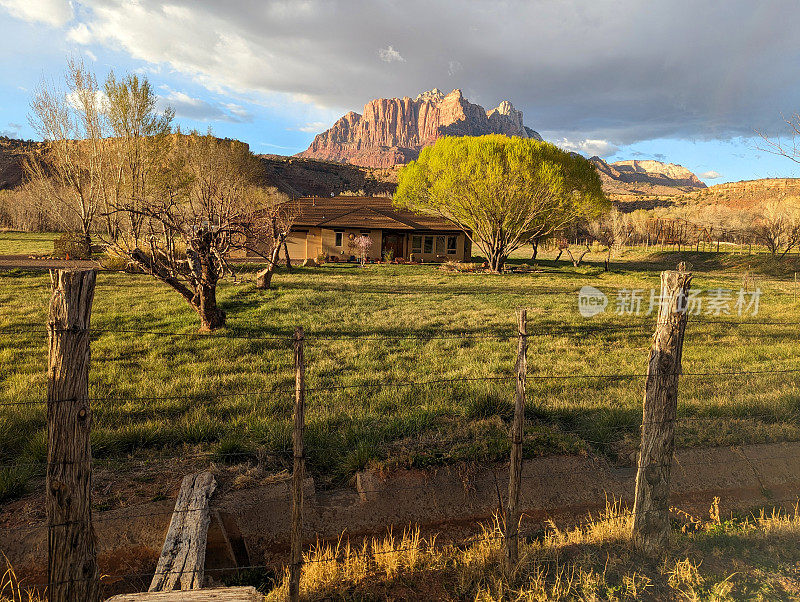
[[361, 212]]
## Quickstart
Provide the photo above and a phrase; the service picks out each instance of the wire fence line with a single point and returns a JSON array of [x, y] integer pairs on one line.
[[119, 514], [262, 391], [540, 328]]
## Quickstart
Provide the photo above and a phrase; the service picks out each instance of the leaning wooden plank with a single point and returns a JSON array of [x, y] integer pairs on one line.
[[223, 594], [184, 553]]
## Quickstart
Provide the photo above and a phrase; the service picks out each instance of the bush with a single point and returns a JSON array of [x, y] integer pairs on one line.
[[71, 245]]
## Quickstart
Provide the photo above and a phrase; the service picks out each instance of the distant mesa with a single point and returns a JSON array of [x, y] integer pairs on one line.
[[392, 131], [646, 177]]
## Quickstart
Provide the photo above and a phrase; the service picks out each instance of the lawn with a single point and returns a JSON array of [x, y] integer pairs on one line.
[[26, 243], [372, 331]]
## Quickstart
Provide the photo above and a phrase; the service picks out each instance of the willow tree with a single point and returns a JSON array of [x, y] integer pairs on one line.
[[501, 191]]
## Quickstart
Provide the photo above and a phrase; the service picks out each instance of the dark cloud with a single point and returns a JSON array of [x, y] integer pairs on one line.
[[618, 71]]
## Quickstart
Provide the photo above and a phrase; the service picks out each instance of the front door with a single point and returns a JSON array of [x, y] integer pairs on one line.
[[393, 243]]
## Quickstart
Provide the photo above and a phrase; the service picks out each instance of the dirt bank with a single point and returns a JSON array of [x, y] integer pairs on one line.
[[251, 525]]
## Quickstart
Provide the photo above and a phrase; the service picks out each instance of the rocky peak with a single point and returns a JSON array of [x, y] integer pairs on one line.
[[392, 131], [645, 177], [434, 95]]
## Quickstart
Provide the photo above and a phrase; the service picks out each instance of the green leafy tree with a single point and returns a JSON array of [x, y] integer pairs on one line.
[[501, 191]]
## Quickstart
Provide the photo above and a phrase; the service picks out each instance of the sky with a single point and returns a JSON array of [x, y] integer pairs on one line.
[[691, 82]]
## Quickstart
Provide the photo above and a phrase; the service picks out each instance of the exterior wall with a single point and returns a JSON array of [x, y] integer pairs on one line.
[[343, 252], [439, 252], [313, 242], [296, 243]]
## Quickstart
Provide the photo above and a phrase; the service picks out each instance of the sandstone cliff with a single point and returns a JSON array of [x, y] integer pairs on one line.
[[645, 178], [392, 131]]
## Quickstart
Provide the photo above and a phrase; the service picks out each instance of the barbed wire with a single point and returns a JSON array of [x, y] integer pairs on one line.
[[37, 328]]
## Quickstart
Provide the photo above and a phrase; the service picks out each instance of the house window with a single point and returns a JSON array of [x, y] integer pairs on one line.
[[452, 245], [440, 245], [416, 244], [428, 245], [366, 232], [339, 238]]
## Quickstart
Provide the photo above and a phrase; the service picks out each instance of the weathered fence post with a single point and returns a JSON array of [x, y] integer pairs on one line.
[[298, 472], [651, 503], [71, 558], [517, 435]]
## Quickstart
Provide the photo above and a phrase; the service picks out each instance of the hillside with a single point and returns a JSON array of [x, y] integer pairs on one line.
[[624, 179], [748, 194], [297, 176], [392, 131], [11, 154]]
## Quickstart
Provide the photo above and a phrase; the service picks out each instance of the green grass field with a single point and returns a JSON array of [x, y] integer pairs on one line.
[[27, 243], [229, 394]]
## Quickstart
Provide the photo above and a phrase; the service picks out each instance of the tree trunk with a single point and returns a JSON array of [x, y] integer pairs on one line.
[[264, 277], [286, 253], [497, 261], [211, 316], [72, 559], [535, 245]]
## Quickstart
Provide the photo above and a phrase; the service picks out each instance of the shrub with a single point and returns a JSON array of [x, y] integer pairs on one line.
[[72, 245]]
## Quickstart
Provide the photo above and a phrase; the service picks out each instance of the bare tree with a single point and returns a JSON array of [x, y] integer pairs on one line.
[[183, 233], [66, 177], [263, 228], [789, 149], [173, 204], [612, 230], [777, 227]]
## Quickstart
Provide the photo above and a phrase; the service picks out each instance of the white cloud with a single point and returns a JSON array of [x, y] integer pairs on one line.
[[454, 67], [12, 131], [80, 34], [76, 100], [588, 147], [313, 127], [278, 146], [710, 175], [56, 13], [390, 55]]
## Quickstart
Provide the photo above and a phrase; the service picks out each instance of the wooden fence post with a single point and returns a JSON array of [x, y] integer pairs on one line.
[[71, 557], [651, 503], [298, 472], [517, 436]]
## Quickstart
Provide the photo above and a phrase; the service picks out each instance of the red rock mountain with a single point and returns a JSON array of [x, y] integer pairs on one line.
[[392, 131], [646, 177]]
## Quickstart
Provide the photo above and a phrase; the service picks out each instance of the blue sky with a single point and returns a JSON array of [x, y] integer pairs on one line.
[[673, 80]]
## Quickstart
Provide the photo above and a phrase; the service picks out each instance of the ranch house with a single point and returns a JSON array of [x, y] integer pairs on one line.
[[327, 226]]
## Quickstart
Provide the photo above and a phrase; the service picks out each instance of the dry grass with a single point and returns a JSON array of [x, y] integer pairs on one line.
[[592, 562], [11, 590]]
